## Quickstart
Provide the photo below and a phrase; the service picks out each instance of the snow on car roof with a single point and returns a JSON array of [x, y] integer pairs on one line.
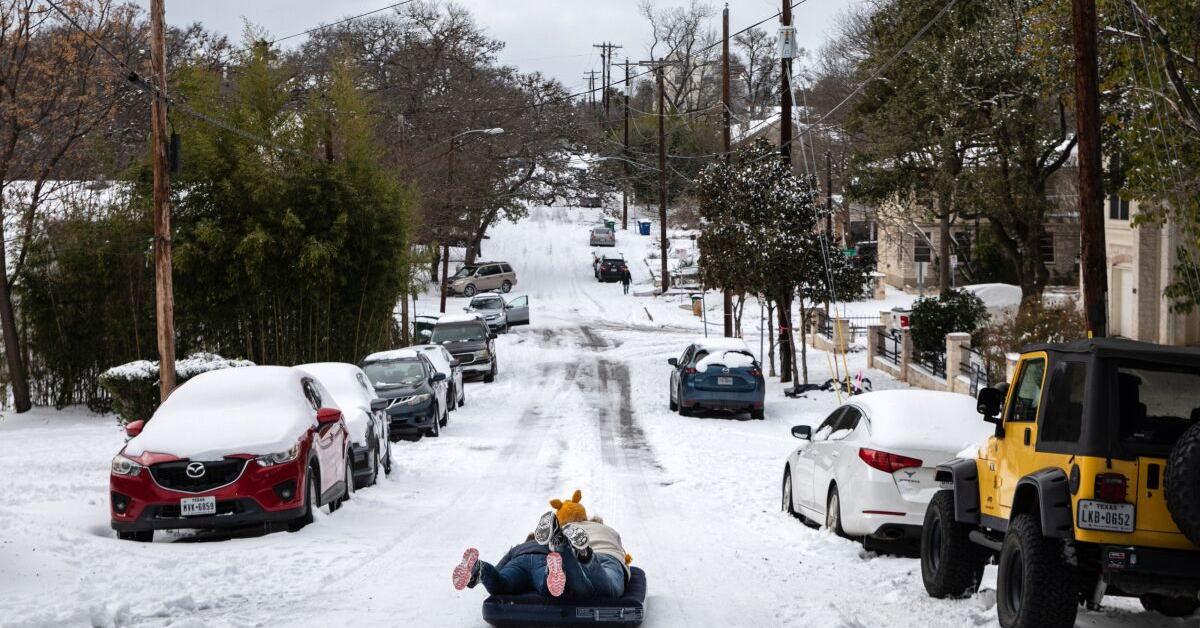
[[436, 355], [731, 359], [352, 392], [458, 318], [722, 344], [923, 419], [394, 354], [254, 410]]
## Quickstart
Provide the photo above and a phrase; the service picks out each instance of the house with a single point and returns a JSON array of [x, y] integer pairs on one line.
[[1141, 263]]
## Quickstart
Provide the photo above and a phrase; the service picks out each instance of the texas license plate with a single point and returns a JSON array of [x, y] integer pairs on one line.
[[724, 381], [1094, 515], [196, 506]]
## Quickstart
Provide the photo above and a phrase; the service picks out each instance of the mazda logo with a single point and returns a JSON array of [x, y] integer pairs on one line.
[[725, 371], [195, 470]]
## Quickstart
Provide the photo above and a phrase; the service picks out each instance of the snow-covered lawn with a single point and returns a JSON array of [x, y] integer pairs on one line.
[[580, 402]]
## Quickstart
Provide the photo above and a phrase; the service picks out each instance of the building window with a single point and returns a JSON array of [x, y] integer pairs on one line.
[[921, 252], [1046, 247], [1118, 208]]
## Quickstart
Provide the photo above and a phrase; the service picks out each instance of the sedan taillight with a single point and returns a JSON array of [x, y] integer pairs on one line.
[[886, 462]]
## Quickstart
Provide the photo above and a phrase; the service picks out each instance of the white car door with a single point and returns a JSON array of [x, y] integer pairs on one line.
[[830, 454], [802, 476]]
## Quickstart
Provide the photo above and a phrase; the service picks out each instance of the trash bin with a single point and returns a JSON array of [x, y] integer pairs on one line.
[[611, 224], [697, 304], [644, 227]]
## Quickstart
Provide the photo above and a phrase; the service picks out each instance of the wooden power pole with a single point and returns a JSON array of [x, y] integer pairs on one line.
[[1093, 256], [625, 154], [785, 102], [662, 178], [727, 146], [164, 291]]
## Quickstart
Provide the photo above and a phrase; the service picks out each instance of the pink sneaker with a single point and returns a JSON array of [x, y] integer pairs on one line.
[[556, 579], [464, 573]]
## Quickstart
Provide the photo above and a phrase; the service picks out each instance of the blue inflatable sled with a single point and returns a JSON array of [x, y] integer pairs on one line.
[[531, 609]]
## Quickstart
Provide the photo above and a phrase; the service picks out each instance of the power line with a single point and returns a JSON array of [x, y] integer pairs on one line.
[[319, 28]]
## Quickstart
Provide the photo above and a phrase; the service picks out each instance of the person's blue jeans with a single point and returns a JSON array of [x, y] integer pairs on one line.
[[522, 574], [626, 286], [601, 577]]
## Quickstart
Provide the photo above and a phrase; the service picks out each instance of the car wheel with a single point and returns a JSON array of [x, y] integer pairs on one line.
[[1170, 606], [671, 402], [833, 512], [375, 465], [451, 394], [436, 430], [387, 459], [789, 504], [683, 410], [469, 291], [140, 536], [1035, 585], [491, 375], [506, 286], [446, 415], [462, 398], [310, 502], [951, 564]]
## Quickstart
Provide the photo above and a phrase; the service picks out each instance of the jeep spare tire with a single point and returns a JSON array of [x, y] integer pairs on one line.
[[1182, 483]]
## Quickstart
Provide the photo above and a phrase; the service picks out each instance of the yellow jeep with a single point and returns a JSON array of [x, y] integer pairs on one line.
[[1090, 486]]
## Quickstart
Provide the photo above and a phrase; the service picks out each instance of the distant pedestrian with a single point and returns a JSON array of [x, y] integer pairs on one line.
[[625, 278]]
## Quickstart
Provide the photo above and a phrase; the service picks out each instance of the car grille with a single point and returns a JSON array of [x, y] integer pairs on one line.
[[464, 358], [174, 475]]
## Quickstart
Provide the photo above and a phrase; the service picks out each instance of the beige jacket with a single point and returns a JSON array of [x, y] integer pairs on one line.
[[605, 540]]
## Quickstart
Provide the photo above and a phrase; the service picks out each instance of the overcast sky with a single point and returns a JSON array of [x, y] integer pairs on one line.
[[554, 36]]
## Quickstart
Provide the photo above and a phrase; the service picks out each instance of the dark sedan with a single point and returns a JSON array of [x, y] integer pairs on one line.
[[414, 390]]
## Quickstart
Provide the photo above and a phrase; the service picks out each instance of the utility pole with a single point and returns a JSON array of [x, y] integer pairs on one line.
[[662, 178], [625, 154], [829, 196], [785, 103], [164, 294], [590, 75], [606, 55], [727, 146], [1093, 257]]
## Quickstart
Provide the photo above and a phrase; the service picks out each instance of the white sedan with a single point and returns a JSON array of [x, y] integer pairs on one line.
[[868, 469], [445, 363]]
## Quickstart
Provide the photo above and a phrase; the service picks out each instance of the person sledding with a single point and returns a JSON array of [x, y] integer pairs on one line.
[[566, 554]]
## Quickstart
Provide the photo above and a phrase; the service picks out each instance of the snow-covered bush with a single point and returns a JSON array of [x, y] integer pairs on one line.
[[934, 317], [135, 388]]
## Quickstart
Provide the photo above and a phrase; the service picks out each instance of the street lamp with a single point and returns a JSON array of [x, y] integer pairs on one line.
[[449, 187]]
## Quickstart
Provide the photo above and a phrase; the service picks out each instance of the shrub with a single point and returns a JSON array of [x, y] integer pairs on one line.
[[134, 386], [1036, 322], [934, 317]]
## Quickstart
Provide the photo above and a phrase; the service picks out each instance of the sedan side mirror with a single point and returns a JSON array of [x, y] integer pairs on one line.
[[379, 404], [438, 377], [803, 432], [492, 336], [455, 364], [508, 306], [673, 361], [326, 416], [134, 428], [989, 401]]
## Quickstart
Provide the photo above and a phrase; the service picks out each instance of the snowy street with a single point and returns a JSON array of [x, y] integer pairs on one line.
[[580, 402]]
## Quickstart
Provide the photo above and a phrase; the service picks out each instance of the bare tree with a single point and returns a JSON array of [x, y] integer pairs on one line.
[[760, 69]]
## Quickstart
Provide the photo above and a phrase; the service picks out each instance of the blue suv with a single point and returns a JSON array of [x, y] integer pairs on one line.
[[717, 374]]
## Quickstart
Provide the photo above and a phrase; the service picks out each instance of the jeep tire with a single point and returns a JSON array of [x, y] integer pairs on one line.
[[1170, 606], [951, 564], [1036, 586], [1182, 483]]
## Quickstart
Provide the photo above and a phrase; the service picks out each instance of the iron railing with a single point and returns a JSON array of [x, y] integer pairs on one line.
[[975, 368], [887, 346], [933, 362]]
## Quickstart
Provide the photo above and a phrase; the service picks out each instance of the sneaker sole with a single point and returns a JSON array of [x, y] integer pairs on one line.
[[546, 528], [462, 573], [576, 536], [556, 578]]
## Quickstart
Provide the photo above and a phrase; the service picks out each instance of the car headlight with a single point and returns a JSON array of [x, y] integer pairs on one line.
[[282, 457], [125, 467], [482, 355], [414, 400], [493, 316]]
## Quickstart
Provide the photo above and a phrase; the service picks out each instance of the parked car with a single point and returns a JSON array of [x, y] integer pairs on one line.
[[491, 307], [469, 340], [518, 311], [445, 363], [423, 326], [363, 411], [717, 374], [610, 267], [868, 469], [230, 448], [602, 236], [417, 394], [482, 277]]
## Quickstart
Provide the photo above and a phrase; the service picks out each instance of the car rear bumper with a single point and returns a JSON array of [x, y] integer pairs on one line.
[[872, 504], [693, 398], [1135, 571]]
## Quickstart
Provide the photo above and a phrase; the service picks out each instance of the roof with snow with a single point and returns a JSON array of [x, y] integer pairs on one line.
[[458, 318], [715, 344], [395, 354]]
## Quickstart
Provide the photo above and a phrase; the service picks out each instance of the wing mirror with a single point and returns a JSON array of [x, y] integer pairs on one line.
[[508, 306], [134, 428], [438, 377], [673, 361], [492, 336], [379, 404], [455, 364], [803, 432], [325, 416], [425, 333], [989, 401]]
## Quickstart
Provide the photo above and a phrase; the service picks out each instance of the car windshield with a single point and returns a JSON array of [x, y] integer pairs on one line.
[[488, 303], [1152, 410], [458, 333], [394, 373], [465, 271]]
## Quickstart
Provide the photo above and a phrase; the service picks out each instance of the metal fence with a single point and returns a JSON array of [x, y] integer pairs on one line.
[[974, 367], [934, 362], [856, 327], [887, 346]]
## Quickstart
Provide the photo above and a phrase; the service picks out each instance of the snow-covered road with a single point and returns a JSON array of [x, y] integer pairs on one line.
[[580, 403]]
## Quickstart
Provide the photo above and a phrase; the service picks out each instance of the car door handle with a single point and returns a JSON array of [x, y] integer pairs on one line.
[[1028, 433]]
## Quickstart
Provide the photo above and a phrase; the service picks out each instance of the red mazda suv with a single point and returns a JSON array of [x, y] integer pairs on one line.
[[231, 448]]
